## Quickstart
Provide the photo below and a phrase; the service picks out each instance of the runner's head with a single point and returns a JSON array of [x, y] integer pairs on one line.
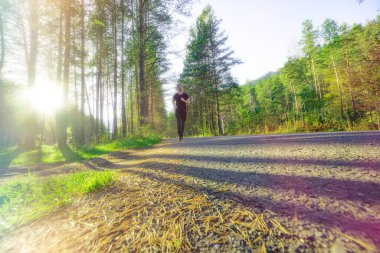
[[179, 87]]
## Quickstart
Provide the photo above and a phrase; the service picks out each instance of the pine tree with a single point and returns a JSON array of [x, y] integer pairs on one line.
[[207, 71]]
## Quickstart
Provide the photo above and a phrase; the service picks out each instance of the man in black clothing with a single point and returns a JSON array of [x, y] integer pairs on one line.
[[180, 101]]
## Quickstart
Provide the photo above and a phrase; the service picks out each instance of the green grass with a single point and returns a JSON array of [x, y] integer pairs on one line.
[[51, 154], [45, 154], [27, 198], [91, 151]]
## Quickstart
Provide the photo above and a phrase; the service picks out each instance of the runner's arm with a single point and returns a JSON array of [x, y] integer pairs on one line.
[[187, 101]]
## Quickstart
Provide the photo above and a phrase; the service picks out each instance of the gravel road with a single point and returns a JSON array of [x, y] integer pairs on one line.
[[320, 184], [324, 180], [323, 187]]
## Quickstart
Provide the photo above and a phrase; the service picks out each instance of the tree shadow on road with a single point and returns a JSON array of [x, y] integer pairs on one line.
[[7, 157], [353, 192], [340, 189], [70, 155], [368, 228], [371, 138], [367, 164]]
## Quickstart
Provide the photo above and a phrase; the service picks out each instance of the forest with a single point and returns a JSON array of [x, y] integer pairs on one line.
[[332, 85], [93, 71], [84, 90], [103, 60]]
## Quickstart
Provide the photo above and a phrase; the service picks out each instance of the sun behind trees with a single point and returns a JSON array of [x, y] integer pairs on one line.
[[108, 58]]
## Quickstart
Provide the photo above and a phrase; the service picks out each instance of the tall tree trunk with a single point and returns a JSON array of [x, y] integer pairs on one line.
[[314, 77], [131, 100], [97, 88], [123, 102], [101, 93], [150, 104], [88, 103], [83, 84], [212, 118], [201, 122], [109, 93], [348, 69], [2, 43], [114, 132], [99, 107], [339, 87], [31, 66], [58, 77], [62, 136], [93, 89], [218, 112], [75, 73], [60, 42], [76, 116], [142, 88]]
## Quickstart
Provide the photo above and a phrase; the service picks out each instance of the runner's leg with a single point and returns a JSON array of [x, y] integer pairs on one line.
[[183, 116], [179, 122]]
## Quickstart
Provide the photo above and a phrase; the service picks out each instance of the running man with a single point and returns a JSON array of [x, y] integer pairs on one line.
[[180, 102]]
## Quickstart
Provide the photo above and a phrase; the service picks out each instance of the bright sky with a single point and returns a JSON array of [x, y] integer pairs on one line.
[[263, 33]]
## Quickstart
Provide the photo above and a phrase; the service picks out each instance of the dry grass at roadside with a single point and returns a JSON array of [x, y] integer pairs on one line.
[[169, 218], [140, 214]]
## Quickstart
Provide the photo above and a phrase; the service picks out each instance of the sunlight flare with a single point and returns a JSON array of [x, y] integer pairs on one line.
[[45, 98]]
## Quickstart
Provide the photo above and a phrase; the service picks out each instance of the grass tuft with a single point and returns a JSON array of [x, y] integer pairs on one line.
[[24, 199], [91, 151]]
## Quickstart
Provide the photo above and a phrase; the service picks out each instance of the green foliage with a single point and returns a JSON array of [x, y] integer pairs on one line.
[[11, 115], [25, 199], [52, 154], [90, 151], [332, 87]]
